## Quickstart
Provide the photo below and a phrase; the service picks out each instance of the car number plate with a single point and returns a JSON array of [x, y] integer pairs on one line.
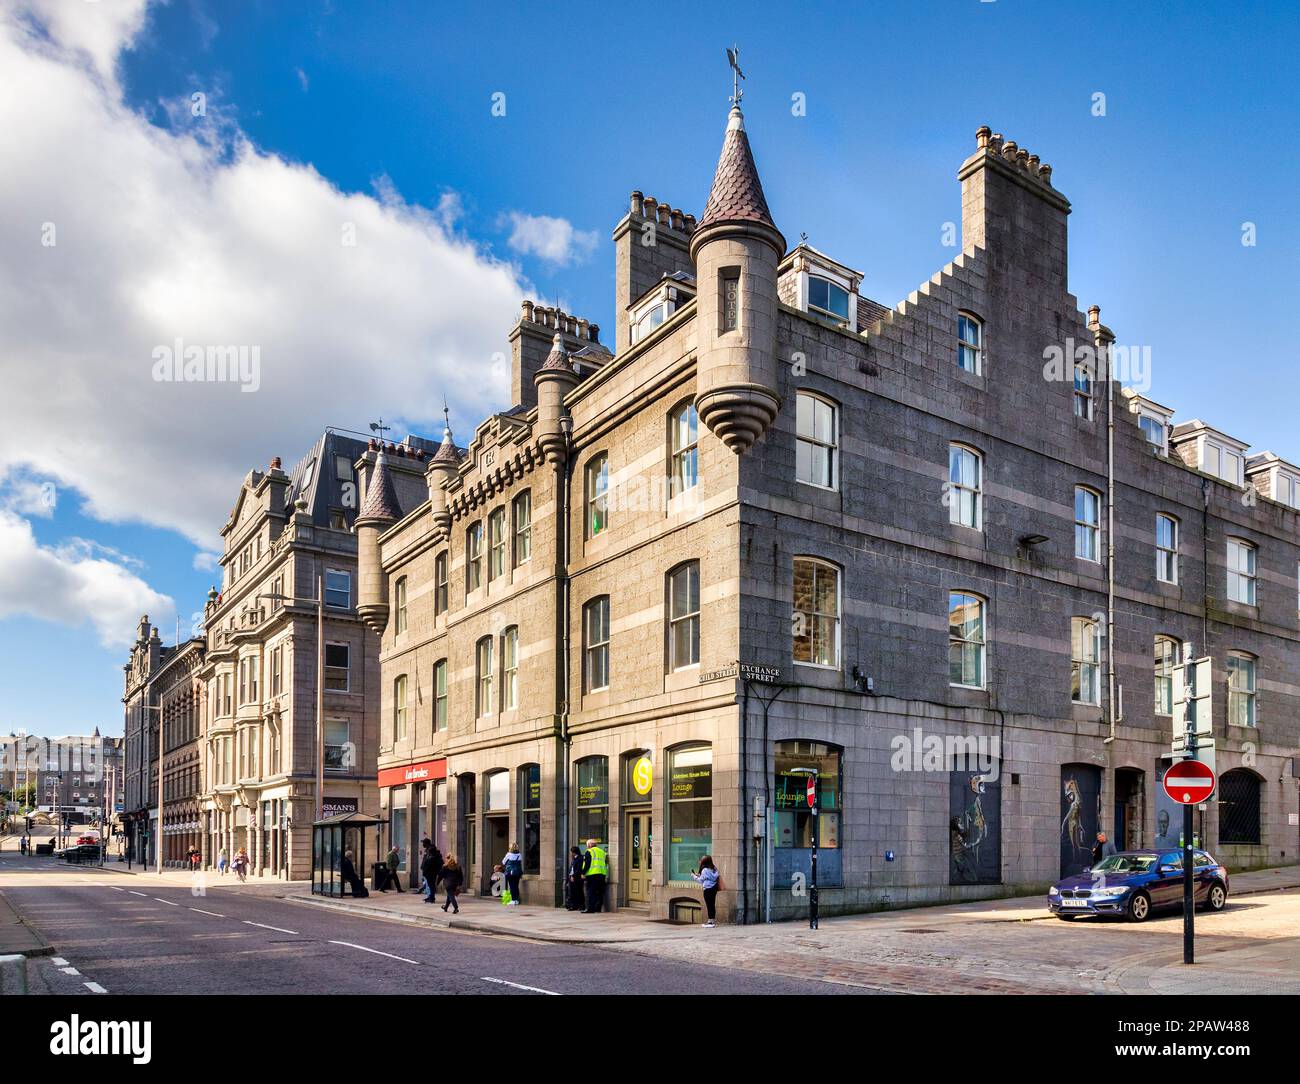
[[1074, 903]]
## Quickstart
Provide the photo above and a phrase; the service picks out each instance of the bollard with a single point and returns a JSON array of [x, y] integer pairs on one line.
[[13, 975]]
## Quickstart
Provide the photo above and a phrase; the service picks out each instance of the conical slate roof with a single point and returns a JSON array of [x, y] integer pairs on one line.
[[558, 358], [737, 193], [381, 497], [447, 451]]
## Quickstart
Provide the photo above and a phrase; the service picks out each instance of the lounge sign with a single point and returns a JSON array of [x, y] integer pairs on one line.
[[745, 670]]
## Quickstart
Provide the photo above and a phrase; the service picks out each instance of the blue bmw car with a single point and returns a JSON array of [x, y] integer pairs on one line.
[[1135, 883]]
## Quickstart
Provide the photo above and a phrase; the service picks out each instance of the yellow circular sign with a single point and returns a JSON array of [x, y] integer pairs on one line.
[[643, 776]]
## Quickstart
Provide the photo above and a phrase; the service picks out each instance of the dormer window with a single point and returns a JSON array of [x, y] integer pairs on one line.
[[657, 306], [1222, 462], [1153, 429], [1286, 489], [827, 299], [652, 318]]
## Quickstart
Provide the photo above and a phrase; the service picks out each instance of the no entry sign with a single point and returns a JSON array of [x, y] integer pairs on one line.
[[812, 791], [1189, 782]]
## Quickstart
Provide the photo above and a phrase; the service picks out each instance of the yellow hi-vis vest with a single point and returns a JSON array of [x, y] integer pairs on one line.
[[599, 862]]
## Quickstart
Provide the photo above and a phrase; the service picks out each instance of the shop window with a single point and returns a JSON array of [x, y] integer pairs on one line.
[[794, 822], [690, 809], [638, 778], [592, 799], [530, 815]]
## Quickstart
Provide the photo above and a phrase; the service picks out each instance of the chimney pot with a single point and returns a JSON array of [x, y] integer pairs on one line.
[[636, 203]]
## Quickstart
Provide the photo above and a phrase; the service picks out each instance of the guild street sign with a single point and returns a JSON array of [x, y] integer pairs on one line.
[[1189, 782], [748, 671]]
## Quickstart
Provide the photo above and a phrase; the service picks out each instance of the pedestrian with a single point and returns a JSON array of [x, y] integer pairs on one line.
[[452, 879], [707, 875], [573, 882], [394, 862], [431, 870], [513, 866], [223, 860], [595, 869], [1103, 848], [348, 875], [241, 864]]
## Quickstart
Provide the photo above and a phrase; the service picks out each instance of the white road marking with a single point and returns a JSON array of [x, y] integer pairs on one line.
[[520, 986], [167, 902], [94, 988], [58, 961], [70, 971], [203, 912], [135, 893], [277, 929], [363, 948], [116, 889]]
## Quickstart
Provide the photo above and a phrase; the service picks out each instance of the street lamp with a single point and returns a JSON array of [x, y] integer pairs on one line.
[[812, 881], [319, 602]]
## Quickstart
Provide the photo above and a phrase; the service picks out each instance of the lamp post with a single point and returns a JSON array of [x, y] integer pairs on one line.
[[814, 775]]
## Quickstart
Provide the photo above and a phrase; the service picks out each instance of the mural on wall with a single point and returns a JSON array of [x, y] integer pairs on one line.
[[1169, 817], [1080, 809], [974, 829]]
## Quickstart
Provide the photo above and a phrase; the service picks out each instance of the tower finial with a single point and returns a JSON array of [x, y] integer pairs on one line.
[[733, 58], [446, 418]]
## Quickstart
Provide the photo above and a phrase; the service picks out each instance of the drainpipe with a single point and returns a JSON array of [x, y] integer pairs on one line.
[[564, 477], [746, 816], [1102, 339]]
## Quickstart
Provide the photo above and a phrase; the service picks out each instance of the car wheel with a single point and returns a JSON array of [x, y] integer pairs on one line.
[[1217, 898], [1139, 907]]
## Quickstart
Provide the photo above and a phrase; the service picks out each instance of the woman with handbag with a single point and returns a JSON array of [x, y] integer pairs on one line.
[[710, 881], [452, 879]]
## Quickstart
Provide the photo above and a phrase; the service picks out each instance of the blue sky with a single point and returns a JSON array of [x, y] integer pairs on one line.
[[392, 101]]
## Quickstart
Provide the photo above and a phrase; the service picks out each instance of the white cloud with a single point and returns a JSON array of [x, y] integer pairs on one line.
[[72, 585], [206, 561], [552, 239], [303, 81], [191, 232], [28, 496]]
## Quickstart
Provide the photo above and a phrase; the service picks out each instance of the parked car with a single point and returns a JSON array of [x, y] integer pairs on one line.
[[1135, 883]]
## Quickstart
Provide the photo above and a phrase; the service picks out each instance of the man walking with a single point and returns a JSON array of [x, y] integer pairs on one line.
[[431, 870], [394, 862], [595, 868]]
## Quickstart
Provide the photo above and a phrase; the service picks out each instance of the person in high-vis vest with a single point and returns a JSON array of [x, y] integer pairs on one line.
[[595, 869]]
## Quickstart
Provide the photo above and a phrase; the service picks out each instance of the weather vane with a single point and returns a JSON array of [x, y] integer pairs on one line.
[[380, 428], [733, 58], [446, 416]]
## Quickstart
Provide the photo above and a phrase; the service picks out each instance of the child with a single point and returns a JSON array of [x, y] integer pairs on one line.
[[499, 882], [452, 879]]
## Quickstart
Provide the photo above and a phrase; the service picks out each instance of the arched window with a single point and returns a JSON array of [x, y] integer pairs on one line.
[[965, 487], [510, 669], [592, 799], [827, 298], [795, 761], [970, 343], [530, 816], [817, 439], [473, 557], [816, 613], [440, 695], [1239, 807], [597, 475], [483, 664], [690, 809], [1241, 689], [965, 639], [399, 605], [683, 451], [1167, 650], [595, 643], [399, 707], [684, 616]]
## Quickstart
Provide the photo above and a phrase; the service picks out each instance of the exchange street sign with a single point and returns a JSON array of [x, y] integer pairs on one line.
[[748, 671]]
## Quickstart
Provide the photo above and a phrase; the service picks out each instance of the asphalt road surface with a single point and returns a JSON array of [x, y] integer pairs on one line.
[[122, 935]]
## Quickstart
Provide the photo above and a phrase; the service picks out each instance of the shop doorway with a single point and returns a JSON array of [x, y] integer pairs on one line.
[[496, 841], [638, 863]]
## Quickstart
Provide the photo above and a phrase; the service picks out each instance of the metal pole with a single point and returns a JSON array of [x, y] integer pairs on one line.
[[159, 857], [812, 888], [1189, 911]]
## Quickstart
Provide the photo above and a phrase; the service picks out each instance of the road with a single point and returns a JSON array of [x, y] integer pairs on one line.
[[123, 935]]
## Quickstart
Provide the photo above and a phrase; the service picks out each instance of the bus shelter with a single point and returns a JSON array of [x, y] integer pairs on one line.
[[332, 838]]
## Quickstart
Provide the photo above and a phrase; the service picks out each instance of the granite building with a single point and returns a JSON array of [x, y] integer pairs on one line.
[[287, 544], [140, 728], [929, 556]]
